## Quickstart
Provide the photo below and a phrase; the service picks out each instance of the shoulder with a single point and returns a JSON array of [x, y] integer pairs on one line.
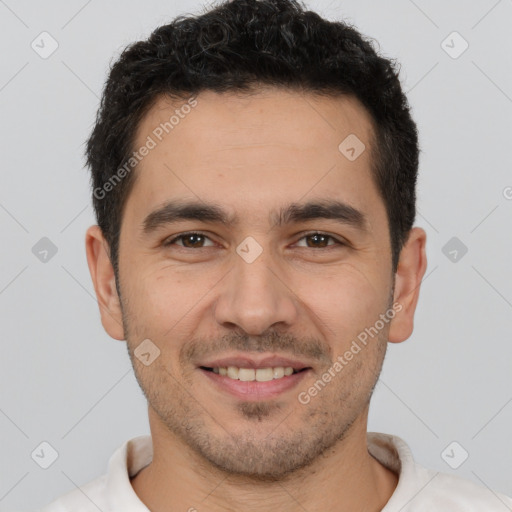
[[455, 493], [113, 490], [421, 489]]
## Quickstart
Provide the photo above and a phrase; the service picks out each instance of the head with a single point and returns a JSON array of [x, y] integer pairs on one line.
[[277, 125]]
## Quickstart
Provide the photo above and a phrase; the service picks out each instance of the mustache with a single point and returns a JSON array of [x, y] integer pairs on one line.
[[309, 348]]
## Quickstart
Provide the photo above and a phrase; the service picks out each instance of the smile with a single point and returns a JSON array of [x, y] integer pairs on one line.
[[253, 384], [254, 374]]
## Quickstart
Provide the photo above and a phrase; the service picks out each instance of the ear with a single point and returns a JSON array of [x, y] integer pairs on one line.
[[103, 278], [411, 269]]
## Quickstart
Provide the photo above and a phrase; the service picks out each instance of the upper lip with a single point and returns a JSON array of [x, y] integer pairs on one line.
[[264, 361]]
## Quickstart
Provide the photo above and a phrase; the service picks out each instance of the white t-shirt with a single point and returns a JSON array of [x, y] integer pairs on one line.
[[419, 489]]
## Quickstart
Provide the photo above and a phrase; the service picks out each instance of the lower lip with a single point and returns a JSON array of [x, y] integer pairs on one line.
[[255, 390]]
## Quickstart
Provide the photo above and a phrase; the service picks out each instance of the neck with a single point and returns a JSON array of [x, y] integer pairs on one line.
[[346, 477]]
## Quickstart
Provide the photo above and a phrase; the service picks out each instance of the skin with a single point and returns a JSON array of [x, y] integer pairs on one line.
[[302, 298]]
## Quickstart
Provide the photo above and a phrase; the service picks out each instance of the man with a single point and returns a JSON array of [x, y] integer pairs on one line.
[[254, 173]]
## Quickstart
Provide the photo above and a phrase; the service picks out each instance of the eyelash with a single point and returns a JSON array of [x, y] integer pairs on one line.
[[170, 242]]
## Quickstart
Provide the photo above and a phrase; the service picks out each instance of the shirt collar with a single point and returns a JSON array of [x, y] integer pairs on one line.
[[125, 463]]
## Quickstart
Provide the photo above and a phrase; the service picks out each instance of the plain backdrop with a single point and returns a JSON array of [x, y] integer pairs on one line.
[[65, 382]]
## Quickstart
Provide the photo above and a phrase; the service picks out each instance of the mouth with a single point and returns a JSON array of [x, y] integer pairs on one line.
[[252, 380], [254, 374]]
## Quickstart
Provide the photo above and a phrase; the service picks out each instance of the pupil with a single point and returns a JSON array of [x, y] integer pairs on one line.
[[191, 237], [316, 238]]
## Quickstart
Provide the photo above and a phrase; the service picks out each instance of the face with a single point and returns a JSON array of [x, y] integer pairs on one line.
[[267, 281]]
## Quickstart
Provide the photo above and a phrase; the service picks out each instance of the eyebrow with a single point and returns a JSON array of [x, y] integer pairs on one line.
[[174, 211]]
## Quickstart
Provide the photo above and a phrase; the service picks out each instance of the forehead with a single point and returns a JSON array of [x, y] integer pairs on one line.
[[254, 150]]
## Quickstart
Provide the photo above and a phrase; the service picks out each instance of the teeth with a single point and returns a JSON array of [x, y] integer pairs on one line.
[[278, 372], [232, 372], [263, 374], [250, 374], [246, 374]]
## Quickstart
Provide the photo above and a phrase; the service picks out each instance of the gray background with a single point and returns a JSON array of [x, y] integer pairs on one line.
[[64, 381]]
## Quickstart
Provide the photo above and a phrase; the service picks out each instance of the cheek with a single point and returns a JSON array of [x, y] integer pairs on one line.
[[167, 301], [164, 300], [345, 300], [153, 300]]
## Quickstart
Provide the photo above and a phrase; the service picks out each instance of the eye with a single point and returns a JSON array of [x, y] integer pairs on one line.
[[191, 240], [196, 240], [320, 240]]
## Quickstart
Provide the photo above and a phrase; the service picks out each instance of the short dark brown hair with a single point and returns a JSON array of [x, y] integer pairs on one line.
[[238, 46]]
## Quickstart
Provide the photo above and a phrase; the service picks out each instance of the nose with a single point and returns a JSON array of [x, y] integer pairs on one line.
[[256, 296]]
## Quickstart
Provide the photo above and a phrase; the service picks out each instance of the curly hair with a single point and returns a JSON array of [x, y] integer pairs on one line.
[[240, 45]]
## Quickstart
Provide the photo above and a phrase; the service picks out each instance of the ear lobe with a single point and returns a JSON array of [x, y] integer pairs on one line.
[[411, 269], [103, 278]]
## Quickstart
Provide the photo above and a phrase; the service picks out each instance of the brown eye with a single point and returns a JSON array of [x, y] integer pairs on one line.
[[189, 240], [320, 240]]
